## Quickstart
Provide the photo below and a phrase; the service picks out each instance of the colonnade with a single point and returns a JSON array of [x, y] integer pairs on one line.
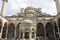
[[10, 31]]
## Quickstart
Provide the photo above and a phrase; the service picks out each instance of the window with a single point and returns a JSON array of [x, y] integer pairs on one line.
[[32, 34], [26, 35]]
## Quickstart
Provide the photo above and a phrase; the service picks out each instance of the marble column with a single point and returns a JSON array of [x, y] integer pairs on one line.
[[23, 36], [1, 33], [15, 33], [35, 36], [58, 27], [6, 32], [54, 32], [44, 31], [30, 35], [19, 35], [1, 30]]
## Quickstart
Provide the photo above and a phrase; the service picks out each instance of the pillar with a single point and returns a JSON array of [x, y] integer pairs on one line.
[[35, 35], [1, 30], [6, 32], [23, 35], [54, 31], [3, 10], [44, 30], [19, 35], [30, 34], [15, 33], [57, 27]]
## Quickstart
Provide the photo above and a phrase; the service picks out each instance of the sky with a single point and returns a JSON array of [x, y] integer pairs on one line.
[[14, 6]]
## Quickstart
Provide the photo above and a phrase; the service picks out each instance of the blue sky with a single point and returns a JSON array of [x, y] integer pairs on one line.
[[14, 6]]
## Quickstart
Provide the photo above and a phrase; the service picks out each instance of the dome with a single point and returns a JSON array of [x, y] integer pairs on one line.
[[30, 11], [29, 8]]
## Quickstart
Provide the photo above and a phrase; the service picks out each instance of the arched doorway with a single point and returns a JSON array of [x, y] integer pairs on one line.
[[17, 30], [0, 25], [40, 30], [11, 31], [4, 30], [49, 31]]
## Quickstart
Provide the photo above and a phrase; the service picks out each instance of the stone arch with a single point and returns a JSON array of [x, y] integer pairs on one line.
[[49, 30], [59, 23], [4, 30], [11, 31], [17, 30], [0, 24], [40, 30]]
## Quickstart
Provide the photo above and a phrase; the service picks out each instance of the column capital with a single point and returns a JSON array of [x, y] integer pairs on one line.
[[5, 0]]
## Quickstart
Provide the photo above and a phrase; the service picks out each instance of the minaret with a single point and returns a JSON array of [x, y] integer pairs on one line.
[[3, 10], [57, 5]]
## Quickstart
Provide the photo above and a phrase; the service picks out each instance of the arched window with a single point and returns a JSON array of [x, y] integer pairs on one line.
[[32, 34], [26, 35], [4, 30], [40, 30], [17, 30], [59, 23], [49, 30], [0, 24], [11, 31]]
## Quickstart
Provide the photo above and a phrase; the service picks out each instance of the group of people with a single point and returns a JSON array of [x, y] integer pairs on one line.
[[46, 38]]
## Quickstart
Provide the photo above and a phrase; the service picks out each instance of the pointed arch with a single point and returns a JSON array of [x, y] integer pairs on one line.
[[49, 30], [40, 30], [11, 31], [4, 30]]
